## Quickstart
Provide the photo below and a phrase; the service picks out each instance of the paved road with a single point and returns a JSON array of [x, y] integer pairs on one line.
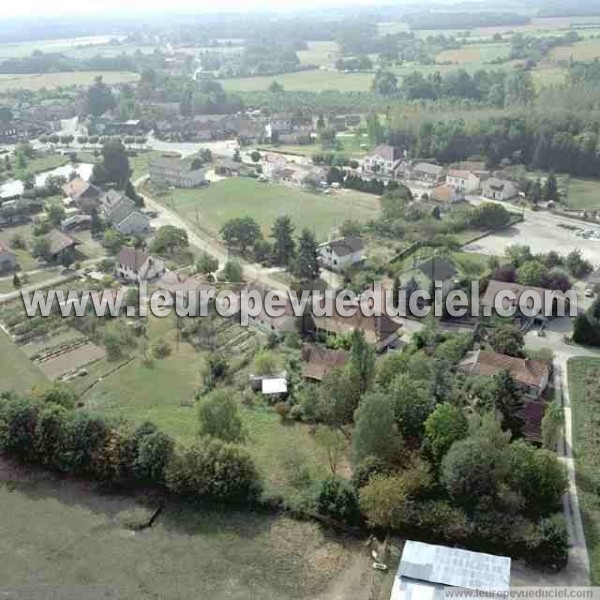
[[577, 572]]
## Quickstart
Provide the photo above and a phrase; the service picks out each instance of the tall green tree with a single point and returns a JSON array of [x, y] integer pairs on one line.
[[306, 265], [550, 190], [446, 424], [362, 360], [241, 232], [375, 431], [99, 98], [509, 402], [284, 246]]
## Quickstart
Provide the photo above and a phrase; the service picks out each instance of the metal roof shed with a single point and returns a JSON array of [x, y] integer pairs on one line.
[[426, 570], [274, 385]]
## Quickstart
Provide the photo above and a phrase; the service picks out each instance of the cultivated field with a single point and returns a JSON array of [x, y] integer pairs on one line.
[[584, 388], [54, 80], [213, 206], [312, 81], [470, 59], [482, 53], [587, 50]]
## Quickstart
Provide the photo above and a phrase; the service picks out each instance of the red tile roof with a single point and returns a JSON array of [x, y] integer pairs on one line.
[[524, 371]]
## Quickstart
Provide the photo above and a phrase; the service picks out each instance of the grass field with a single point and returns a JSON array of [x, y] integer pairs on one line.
[[482, 53], [467, 58], [18, 373], [312, 81], [584, 194], [71, 537], [586, 51], [214, 205], [584, 389], [54, 80], [320, 54], [165, 394]]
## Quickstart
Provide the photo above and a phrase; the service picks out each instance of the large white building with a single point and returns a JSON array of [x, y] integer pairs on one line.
[[382, 160], [176, 172]]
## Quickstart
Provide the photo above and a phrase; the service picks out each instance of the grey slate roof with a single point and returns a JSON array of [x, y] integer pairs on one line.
[[441, 268], [388, 153], [428, 168], [131, 258], [346, 246]]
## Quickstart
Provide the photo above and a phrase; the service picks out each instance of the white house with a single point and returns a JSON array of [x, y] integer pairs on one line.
[[135, 266], [499, 189], [382, 160], [464, 181], [339, 255]]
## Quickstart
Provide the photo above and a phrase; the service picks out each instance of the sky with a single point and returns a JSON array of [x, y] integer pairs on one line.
[[115, 7]]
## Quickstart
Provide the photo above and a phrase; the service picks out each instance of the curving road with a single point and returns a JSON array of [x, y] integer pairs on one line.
[[253, 273]]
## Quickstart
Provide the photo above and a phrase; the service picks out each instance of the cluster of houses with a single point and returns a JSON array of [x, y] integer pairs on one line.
[[447, 185], [117, 210], [248, 127]]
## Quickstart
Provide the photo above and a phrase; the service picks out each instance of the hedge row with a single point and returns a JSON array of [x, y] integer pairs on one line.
[[89, 445]]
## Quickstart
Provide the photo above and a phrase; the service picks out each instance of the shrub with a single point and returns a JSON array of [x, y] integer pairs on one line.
[[213, 469], [337, 499], [154, 453], [55, 393], [549, 546], [219, 417], [161, 349]]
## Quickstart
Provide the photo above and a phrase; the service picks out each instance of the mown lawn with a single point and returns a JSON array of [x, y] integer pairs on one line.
[[584, 194], [18, 373], [584, 389], [212, 206]]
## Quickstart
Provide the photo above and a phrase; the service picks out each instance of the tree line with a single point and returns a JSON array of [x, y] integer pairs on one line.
[[44, 428]]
